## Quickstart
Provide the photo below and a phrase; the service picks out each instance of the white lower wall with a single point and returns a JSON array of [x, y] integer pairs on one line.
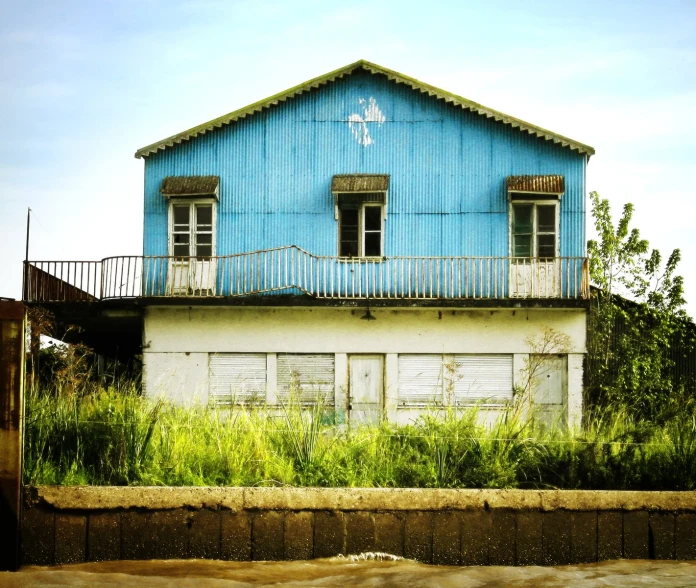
[[179, 339], [179, 377], [339, 330]]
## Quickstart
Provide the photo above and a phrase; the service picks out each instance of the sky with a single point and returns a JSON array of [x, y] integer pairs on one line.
[[83, 85]]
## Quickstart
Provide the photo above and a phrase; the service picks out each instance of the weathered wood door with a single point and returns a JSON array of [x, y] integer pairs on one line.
[[535, 278], [366, 388], [550, 390]]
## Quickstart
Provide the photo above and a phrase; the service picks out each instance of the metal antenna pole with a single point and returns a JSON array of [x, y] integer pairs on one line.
[[26, 254], [25, 277]]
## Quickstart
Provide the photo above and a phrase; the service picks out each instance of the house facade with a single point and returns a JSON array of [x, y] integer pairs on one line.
[[364, 238]]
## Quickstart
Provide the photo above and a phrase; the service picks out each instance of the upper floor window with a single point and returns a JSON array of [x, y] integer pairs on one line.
[[360, 231], [360, 202], [534, 214], [192, 201], [192, 229], [534, 229]]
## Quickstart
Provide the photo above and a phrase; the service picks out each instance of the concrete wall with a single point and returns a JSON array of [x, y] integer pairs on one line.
[[177, 341], [453, 527]]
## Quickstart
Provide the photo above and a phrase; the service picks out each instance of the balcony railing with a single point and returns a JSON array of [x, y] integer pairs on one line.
[[293, 270]]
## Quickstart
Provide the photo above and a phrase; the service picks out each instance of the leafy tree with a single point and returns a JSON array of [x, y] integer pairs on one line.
[[637, 316]]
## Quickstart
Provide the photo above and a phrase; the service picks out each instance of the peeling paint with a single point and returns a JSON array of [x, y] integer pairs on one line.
[[358, 123]]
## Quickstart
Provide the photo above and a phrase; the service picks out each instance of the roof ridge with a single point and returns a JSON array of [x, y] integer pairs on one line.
[[375, 69]]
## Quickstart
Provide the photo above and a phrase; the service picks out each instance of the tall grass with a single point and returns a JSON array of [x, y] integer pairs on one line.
[[116, 437]]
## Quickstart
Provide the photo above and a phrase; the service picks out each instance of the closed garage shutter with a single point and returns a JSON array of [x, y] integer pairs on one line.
[[483, 378], [237, 378], [420, 379], [311, 377]]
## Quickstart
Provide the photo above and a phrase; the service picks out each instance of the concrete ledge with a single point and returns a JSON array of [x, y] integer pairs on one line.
[[87, 498], [448, 527]]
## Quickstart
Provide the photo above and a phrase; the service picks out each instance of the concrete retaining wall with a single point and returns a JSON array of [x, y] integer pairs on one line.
[[453, 527]]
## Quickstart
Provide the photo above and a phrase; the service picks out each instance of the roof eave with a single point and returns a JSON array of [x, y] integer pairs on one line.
[[376, 69]]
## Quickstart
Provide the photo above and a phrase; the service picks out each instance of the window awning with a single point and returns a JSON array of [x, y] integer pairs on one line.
[[360, 183], [352, 190], [551, 184], [190, 186]]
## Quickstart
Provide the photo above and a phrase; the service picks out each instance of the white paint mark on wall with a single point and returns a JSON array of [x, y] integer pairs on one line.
[[357, 123]]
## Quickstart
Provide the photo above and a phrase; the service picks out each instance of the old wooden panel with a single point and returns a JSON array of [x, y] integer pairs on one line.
[[11, 400]]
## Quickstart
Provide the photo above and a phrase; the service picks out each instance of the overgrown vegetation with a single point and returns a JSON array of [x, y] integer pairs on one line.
[[117, 437], [639, 331], [638, 430]]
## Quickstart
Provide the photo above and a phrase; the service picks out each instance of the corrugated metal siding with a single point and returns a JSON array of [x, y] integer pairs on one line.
[[420, 379], [482, 378], [237, 378], [311, 376], [447, 166]]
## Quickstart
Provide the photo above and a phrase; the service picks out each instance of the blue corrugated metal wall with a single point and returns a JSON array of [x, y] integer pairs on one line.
[[447, 166]]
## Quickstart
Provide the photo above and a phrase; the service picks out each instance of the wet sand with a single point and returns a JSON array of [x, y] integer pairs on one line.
[[337, 572]]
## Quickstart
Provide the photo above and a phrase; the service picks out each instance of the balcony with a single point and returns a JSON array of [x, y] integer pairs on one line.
[[291, 270]]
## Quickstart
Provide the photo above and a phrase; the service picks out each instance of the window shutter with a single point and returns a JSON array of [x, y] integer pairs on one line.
[[486, 378], [237, 378], [420, 379], [314, 374]]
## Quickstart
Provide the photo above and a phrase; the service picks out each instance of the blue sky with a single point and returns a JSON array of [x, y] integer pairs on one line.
[[84, 84]]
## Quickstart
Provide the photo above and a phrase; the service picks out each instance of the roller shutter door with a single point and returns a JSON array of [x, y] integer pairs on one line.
[[313, 374], [483, 378], [237, 378], [420, 379]]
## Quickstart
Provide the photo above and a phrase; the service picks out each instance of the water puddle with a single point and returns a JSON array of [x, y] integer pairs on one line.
[[364, 570]]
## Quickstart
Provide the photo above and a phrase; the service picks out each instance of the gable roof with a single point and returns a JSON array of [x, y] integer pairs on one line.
[[374, 69]]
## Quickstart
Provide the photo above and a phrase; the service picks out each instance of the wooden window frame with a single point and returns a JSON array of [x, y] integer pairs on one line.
[[535, 232], [362, 231], [192, 203]]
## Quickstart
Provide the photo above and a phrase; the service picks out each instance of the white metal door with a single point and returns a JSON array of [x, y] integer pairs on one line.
[[482, 378], [237, 378], [193, 269], [549, 389], [420, 380], [306, 378], [366, 384]]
